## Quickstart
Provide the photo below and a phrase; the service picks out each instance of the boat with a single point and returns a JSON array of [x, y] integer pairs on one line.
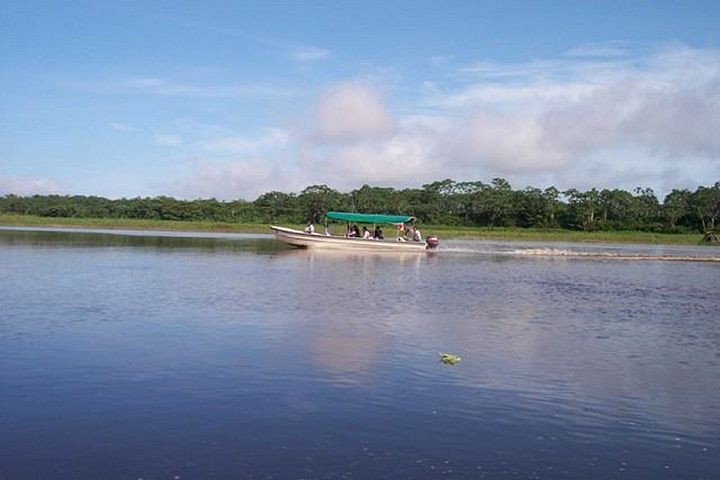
[[302, 239]]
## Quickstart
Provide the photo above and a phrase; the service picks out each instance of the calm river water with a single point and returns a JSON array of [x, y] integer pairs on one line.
[[161, 356]]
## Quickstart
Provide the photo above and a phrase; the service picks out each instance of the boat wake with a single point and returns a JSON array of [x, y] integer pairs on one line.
[[550, 252]]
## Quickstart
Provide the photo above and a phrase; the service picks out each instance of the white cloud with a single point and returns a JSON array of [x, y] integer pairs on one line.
[[603, 49], [397, 161], [503, 143], [311, 54], [26, 185], [296, 51], [168, 140], [351, 111], [241, 179], [646, 120], [171, 88], [121, 127], [268, 139], [556, 117]]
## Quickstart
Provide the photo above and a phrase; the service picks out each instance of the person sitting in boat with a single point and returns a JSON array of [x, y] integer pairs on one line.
[[378, 235], [401, 232], [416, 236], [310, 228], [353, 232], [408, 234], [366, 233]]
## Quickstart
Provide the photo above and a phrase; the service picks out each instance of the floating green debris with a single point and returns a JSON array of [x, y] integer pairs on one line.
[[449, 358]]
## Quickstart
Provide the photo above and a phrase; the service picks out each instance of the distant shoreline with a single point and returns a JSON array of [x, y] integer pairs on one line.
[[444, 231]]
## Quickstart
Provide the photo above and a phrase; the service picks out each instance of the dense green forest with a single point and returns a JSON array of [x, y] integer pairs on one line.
[[445, 202]]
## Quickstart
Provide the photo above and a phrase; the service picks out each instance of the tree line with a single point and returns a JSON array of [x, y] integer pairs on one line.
[[445, 202]]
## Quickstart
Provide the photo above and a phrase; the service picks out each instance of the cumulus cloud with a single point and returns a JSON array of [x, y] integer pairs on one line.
[[397, 161], [240, 179], [26, 185], [677, 119], [501, 142], [228, 166], [351, 111], [582, 120]]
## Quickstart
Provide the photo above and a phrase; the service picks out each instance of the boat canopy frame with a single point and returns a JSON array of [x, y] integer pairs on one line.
[[373, 218]]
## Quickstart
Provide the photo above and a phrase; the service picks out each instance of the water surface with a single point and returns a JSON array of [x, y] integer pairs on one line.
[[131, 355]]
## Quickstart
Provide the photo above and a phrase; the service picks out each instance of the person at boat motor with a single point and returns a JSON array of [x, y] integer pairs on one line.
[[378, 235], [310, 228], [366, 233], [416, 236]]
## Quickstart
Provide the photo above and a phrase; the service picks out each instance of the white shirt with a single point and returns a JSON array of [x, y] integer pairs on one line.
[[310, 229]]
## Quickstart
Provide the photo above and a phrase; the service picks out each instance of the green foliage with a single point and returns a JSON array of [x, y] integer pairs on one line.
[[316, 200], [445, 202], [705, 203]]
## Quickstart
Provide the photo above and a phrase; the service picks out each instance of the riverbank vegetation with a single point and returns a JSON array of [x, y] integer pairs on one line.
[[22, 220], [484, 233], [477, 209]]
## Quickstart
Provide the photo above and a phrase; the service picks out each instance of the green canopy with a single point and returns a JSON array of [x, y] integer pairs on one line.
[[368, 217]]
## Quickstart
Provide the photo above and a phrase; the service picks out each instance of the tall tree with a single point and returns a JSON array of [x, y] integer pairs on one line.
[[315, 201], [583, 207], [277, 205], [676, 205], [705, 202]]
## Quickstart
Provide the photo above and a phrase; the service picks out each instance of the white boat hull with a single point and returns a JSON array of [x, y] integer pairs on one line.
[[300, 239]]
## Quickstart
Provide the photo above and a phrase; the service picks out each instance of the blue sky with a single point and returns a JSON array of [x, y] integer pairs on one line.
[[232, 99]]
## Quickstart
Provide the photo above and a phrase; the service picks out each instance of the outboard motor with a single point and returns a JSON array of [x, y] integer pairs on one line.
[[431, 242]]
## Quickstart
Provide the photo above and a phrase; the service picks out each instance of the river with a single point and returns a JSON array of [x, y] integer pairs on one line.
[[135, 355]]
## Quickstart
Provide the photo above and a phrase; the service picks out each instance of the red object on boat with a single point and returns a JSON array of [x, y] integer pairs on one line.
[[432, 241]]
